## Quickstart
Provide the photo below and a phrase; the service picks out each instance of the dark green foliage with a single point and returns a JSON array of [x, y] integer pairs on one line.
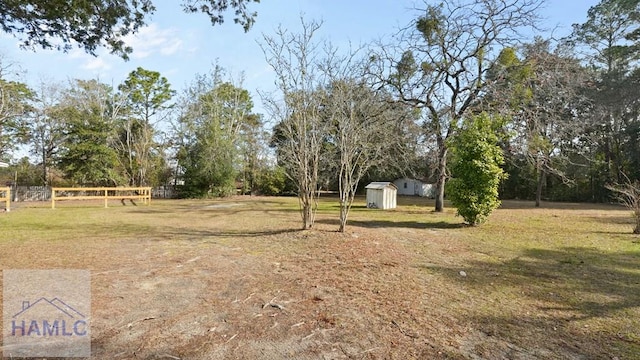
[[90, 24], [207, 161], [215, 9], [26, 173], [476, 160], [208, 168], [406, 67], [55, 24], [271, 181], [14, 97], [148, 93], [431, 24], [86, 157], [146, 96], [632, 148], [520, 181], [211, 127], [251, 141], [609, 41], [611, 27], [542, 95], [452, 45]]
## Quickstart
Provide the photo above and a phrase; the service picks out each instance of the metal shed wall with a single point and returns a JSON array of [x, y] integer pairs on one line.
[[381, 195]]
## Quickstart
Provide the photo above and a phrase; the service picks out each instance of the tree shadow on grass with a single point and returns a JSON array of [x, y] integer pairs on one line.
[[564, 286], [573, 274], [621, 233], [159, 232], [226, 210], [395, 224], [618, 220], [192, 234], [524, 204]]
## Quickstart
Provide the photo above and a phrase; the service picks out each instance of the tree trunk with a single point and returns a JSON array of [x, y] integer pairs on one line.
[[540, 182], [306, 217], [343, 200], [307, 207], [441, 174], [244, 181], [343, 217], [45, 177]]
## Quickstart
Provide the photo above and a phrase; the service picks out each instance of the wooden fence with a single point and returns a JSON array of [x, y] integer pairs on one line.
[[6, 197], [31, 193], [102, 193], [43, 193]]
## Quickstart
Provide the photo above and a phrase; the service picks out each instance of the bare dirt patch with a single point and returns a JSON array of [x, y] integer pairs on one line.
[[207, 280]]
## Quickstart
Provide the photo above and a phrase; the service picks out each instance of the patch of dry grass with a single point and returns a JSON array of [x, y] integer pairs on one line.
[[235, 278]]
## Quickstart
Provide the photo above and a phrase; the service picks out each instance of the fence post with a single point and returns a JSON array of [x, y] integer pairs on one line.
[[6, 198], [106, 199], [53, 198]]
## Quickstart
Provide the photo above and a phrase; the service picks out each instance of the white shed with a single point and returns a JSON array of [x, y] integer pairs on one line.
[[381, 195], [408, 186]]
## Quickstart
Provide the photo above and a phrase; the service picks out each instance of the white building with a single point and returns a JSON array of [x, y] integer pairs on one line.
[[414, 187], [381, 195]]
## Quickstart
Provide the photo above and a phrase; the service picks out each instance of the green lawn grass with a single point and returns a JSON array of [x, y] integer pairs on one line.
[[559, 281], [534, 275]]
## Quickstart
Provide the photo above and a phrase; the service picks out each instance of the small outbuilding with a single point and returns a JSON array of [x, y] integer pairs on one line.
[[381, 195], [414, 187]]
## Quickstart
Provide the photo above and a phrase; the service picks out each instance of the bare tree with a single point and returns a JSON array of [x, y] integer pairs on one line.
[[362, 131], [628, 194], [366, 128], [296, 108], [543, 95], [47, 125], [446, 53]]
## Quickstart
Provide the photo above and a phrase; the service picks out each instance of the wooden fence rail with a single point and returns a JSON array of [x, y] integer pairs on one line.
[[94, 193], [6, 198]]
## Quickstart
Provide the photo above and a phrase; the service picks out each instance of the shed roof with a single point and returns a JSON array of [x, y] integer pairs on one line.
[[380, 185]]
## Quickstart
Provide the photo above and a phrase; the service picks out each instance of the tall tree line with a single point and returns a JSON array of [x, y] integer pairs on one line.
[[137, 133], [571, 108], [574, 108], [571, 104]]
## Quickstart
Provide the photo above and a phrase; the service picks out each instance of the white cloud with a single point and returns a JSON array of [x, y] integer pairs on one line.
[[77, 53], [96, 64], [151, 40], [89, 62]]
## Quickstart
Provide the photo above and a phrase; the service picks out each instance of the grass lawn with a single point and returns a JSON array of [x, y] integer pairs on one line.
[[235, 278]]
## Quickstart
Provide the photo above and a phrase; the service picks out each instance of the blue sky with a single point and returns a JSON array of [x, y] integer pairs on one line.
[[179, 45]]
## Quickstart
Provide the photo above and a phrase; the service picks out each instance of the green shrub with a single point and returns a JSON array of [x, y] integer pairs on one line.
[[271, 181], [475, 165]]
